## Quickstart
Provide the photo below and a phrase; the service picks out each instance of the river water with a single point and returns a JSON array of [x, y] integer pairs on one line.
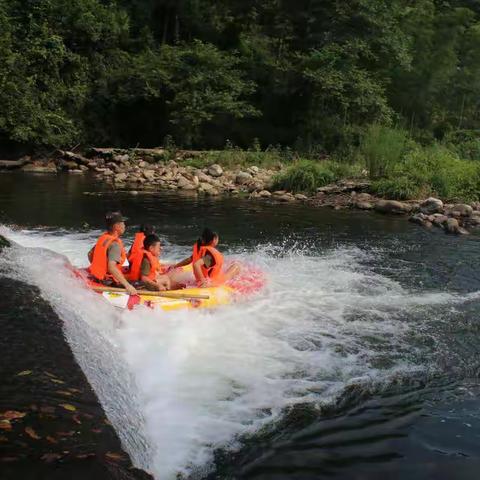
[[359, 360]]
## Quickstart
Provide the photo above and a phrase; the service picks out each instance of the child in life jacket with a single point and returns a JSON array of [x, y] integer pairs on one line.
[[138, 240], [146, 267], [208, 262]]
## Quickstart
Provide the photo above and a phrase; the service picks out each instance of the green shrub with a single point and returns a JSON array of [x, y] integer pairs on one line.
[[344, 169], [305, 176], [433, 170], [466, 143], [382, 148], [400, 188]]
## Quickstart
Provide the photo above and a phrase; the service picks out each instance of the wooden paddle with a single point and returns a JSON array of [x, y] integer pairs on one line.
[[179, 295]]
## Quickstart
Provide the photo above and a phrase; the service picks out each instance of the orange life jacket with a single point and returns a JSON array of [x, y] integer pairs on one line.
[[214, 273], [135, 272], [99, 266], [137, 245], [197, 253]]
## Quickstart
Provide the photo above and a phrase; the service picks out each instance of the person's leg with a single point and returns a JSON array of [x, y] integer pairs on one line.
[[232, 271]]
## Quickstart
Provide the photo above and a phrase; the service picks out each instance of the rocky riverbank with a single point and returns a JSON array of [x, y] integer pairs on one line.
[[148, 170]]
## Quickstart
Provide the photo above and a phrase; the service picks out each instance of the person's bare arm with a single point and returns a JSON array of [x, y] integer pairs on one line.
[[197, 270], [120, 278], [90, 254], [183, 263]]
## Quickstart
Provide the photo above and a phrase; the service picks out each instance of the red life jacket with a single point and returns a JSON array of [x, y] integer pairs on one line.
[[213, 273], [135, 272], [99, 266], [137, 245]]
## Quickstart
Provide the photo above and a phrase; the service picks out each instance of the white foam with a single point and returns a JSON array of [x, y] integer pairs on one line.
[[177, 386]]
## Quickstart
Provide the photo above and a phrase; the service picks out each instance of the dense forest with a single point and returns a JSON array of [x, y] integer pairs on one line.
[[304, 74]]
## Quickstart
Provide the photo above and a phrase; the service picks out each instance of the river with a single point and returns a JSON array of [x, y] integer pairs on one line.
[[359, 360]]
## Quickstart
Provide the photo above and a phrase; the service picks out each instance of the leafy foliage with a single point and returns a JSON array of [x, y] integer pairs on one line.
[[309, 74]]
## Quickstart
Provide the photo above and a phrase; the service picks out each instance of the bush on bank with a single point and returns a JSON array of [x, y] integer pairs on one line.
[[403, 169], [304, 176]]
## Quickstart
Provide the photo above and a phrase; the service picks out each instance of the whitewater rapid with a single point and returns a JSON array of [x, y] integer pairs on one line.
[[177, 386]]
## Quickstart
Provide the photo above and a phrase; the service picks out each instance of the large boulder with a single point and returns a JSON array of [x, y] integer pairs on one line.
[[431, 205], [461, 210], [185, 184], [215, 170], [242, 178], [392, 206]]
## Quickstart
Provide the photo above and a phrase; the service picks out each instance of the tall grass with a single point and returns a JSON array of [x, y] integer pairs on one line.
[[432, 170], [304, 176], [382, 147]]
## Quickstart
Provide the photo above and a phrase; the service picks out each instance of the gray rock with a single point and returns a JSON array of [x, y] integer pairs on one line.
[[264, 194], [40, 167], [149, 175], [363, 205], [461, 210], [286, 197], [301, 197], [475, 218], [475, 206], [120, 177], [431, 205], [452, 226], [76, 171], [392, 206], [256, 186], [421, 219], [253, 170], [185, 184], [215, 170], [68, 164], [242, 178], [121, 158], [439, 220]]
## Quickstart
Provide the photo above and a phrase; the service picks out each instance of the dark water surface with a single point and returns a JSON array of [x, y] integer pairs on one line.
[[413, 412]]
